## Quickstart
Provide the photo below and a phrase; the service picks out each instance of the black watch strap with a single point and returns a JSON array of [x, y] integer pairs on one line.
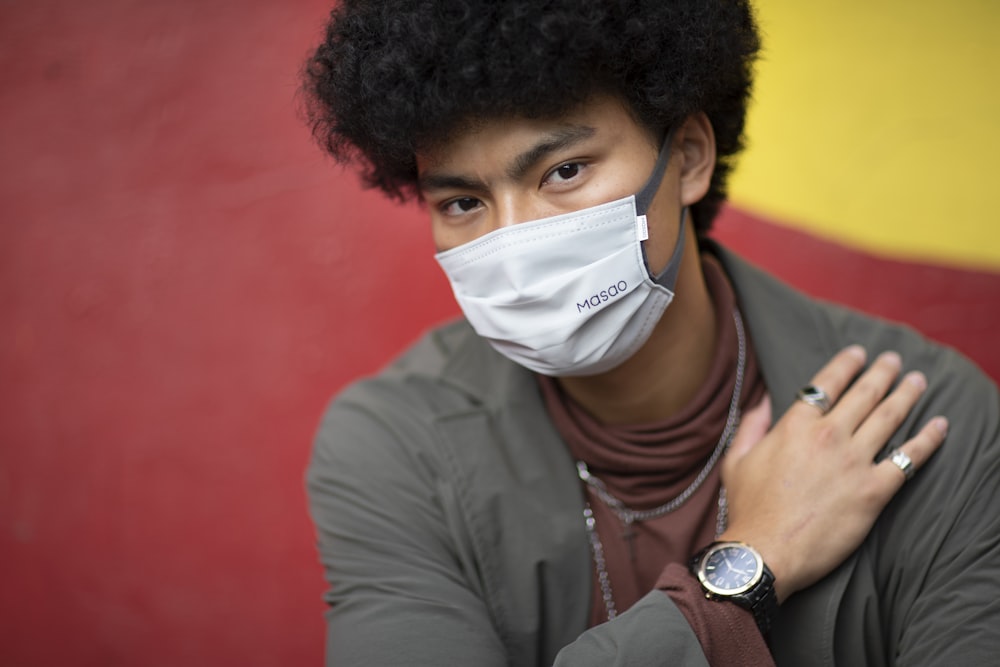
[[761, 600]]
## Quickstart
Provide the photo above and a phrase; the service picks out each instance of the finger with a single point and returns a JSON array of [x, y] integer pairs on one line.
[[862, 397], [834, 377], [887, 416], [919, 448], [753, 426]]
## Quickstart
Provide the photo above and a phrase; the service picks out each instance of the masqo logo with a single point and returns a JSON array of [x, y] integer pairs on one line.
[[618, 289]]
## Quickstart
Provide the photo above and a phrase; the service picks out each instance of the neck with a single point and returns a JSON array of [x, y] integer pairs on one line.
[[667, 371]]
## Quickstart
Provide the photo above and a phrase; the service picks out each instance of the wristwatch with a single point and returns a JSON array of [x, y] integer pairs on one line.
[[735, 571]]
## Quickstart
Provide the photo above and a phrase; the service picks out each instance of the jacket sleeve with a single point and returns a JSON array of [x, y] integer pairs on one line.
[[652, 632], [403, 590]]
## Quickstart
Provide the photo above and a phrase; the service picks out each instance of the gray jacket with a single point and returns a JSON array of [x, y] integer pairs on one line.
[[449, 515]]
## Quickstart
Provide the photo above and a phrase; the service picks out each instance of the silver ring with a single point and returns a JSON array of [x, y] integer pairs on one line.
[[815, 397], [903, 462]]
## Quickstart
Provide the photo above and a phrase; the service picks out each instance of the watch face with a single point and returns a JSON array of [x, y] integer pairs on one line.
[[730, 569]]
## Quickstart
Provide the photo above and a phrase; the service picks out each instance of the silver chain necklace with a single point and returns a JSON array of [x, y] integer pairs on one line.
[[629, 516]]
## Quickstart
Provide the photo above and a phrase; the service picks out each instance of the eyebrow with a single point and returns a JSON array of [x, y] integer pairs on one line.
[[519, 166], [555, 141]]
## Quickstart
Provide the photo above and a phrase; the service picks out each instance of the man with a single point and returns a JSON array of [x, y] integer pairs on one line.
[[545, 481]]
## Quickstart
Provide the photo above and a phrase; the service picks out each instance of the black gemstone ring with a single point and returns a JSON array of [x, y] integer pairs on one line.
[[815, 397]]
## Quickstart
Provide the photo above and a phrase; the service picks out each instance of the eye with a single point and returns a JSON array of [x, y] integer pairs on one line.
[[460, 206], [564, 173]]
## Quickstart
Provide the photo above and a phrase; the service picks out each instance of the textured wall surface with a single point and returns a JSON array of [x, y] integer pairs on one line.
[[875, 123], [184, 282]]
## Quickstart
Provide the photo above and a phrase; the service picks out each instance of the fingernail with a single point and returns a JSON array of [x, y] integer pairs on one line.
[[917, 379], [941, 424], [892, 358], [856, 351]]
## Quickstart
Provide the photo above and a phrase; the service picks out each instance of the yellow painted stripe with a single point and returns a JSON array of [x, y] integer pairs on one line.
[[877, 123]]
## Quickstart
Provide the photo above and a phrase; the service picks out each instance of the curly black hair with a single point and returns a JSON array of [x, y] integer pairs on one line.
[[392, 76]]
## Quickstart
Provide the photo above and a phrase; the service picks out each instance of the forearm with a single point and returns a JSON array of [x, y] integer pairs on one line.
[[728, 633], [650, 633]]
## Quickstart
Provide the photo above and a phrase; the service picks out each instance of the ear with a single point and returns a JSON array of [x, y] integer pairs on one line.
[[695, 143]]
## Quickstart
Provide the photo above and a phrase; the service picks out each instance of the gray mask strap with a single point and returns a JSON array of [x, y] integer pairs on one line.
[[669, 275], [644, 197]]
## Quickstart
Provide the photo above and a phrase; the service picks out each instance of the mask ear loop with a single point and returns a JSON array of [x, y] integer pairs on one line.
[[643, 199]]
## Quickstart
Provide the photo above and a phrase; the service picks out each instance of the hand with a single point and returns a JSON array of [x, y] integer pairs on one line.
[[806, 493]]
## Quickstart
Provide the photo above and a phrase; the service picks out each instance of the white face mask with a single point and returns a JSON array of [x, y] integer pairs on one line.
[[570, 294]]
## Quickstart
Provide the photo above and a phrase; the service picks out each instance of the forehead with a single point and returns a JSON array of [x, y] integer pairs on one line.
[[481, 143]]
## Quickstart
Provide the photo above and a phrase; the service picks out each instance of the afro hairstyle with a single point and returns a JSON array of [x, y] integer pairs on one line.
[[392, 76]]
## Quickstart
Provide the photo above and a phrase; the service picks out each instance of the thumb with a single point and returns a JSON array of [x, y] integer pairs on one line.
[[753, 426]]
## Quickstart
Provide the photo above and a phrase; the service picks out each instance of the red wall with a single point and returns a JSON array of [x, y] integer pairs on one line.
[[184, 281]]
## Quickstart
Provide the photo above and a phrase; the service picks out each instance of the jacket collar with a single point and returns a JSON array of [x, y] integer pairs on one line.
[[791, 334]]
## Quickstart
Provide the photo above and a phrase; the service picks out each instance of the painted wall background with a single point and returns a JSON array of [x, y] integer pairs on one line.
[[875, 124], [184, 281]]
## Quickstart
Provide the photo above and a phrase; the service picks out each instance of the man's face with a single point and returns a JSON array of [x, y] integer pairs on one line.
[[507, 171]]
